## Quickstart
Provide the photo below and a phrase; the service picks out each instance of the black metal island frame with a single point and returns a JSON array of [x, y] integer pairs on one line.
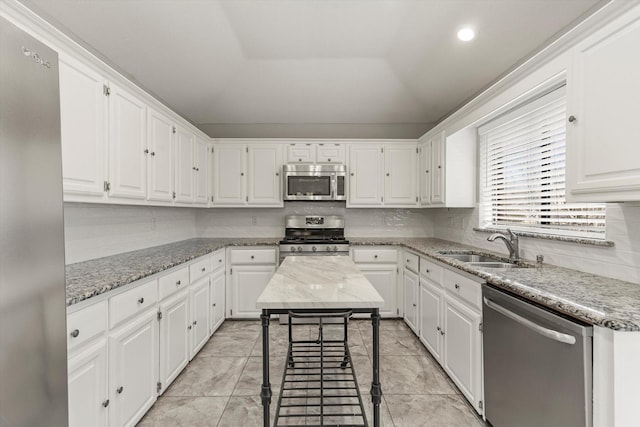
[[320, 287]]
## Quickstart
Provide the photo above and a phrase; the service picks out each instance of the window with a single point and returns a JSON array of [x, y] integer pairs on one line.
[[522, 173]]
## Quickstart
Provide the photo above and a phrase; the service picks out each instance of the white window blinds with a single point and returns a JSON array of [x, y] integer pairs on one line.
[[522, 172]]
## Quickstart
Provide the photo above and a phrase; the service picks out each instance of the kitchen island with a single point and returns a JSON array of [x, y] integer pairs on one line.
[[323, 285]]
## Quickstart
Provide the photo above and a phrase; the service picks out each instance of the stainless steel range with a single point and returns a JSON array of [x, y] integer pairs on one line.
[[314, 235]]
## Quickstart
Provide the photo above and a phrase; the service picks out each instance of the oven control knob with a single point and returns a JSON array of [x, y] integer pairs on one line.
[[299, 248], [293, 249], [313, 248], [335, 249], [328, 248]]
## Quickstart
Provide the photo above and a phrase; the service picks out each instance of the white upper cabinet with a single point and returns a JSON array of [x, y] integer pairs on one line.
[[301, 153], [400, 163], [323, 152], [603, 93], [424, 171], [383, 175], [83, 117], [264, 174], [437, 166], [330, 153], [201, 162], [159, 153], [247, 175], [365, 175], [127, 144], [185, 168], [229, 174]]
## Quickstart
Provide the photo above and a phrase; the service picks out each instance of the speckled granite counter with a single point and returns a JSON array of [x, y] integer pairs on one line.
[[94, 277], [598, 300], [611, 303]]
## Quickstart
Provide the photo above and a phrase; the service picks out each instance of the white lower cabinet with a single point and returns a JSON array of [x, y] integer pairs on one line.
[[199, 309], [88, 393], [380, 266], [247, 283], [133, 369], [411, 299], [463, 349], [217, 295], [174, 337], [431, 304]]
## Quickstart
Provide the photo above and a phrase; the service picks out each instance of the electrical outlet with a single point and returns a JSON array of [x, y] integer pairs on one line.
[[254, 220]]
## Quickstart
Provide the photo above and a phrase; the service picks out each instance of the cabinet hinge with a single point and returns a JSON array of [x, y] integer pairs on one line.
[[174, 194], [480, 327], [158, 387], [231, 311], [397, 312], [106, 90], [246, 149], [231, 271], [107, 186], [173, 129], [480, 405], [382, 150], [212, 198], [159, 315], [397, 270], [246, 198], [382, 199], [417, 150], [416, 199]]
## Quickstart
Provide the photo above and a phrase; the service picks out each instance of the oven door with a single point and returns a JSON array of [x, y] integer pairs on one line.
[[308, 186]]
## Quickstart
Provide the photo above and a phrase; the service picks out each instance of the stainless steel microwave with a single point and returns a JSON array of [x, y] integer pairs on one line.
[[318, 181]]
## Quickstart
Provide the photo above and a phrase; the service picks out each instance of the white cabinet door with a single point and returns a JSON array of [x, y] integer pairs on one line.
[[83, 115], [383, 277], [127, 145], [133, 369], [201, 192], [229, 174], [185, 168], [159, 156], [437, 169], [263, 174], [462, 349], [431, 304], [424, 174], [603, 96], [199, 308], [411, 299], [365, 175], [400, 185], [247, 283], [301, 153], [174, 337], [218, 297], [88, 394], [330, 153]]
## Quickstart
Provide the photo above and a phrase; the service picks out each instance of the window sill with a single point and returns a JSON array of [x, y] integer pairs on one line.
[[568, 239]]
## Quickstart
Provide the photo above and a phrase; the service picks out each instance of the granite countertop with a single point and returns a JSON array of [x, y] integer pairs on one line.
[[304, 282], [597, 300]]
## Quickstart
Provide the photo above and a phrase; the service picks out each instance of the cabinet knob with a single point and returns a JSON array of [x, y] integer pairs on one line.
[[457, 286], [241, 173], [277, 173], [441, 332], [194, 168], [214, 304], [252, 257], [153, 153], [178, 283], [141, 300], [414, 305], [375, 256], [387, 173], [189, 327], [438, 328], [427, 171], [427, 270], [572, 119], [351, 173], [105, 403], [439, 167], [75, 333], [220, 260], [195, 322], [120, 389], [204, 269], [299, 160], [146, 151]]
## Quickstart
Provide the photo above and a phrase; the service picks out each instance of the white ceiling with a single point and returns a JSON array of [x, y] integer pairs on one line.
[[230, 66]]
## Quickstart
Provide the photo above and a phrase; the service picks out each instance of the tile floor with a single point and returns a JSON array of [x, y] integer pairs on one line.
[[221, 385]]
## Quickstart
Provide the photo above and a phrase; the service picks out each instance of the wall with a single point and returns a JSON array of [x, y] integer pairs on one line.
[[621, 261], [93, 231], [238, 222]]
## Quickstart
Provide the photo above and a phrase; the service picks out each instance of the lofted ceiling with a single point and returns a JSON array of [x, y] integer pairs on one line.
[[313, 68]]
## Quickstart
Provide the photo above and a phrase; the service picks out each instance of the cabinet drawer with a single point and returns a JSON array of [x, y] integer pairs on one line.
[[431, 270], [199, 269], [463, 287], [85, 324], [173, 282], [132, 302], [253, 256], [411, 261], [217, 260], [387, 256]]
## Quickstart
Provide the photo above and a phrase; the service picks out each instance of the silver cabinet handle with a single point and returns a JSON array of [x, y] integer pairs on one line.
[[572, 119], [105, 403], [545, 332], [120, 389], [75, 333], [141, 300]]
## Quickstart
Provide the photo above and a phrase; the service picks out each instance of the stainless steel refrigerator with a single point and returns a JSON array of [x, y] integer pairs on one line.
[[33, 356]]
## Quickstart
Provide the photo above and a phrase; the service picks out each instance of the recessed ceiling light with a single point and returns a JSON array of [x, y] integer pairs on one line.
[[466, 34]]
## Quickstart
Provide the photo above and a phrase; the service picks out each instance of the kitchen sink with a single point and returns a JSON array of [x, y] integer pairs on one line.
[[486, 261], [473, 258], [496, 265]]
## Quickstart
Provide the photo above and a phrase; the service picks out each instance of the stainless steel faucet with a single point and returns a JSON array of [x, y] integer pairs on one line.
[[511, 240]]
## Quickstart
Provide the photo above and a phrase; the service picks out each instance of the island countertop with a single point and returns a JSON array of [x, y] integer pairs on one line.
[[304, 282]]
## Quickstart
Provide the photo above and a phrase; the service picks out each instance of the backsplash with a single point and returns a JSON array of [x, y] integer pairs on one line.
[[93, 231], [620, 262], [239, 222]]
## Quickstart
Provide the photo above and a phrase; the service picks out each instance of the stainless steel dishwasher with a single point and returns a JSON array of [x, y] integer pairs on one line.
[[537, 364]]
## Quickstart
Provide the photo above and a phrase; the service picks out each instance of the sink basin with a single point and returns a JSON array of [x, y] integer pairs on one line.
[[496, 265], [473, 258]]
